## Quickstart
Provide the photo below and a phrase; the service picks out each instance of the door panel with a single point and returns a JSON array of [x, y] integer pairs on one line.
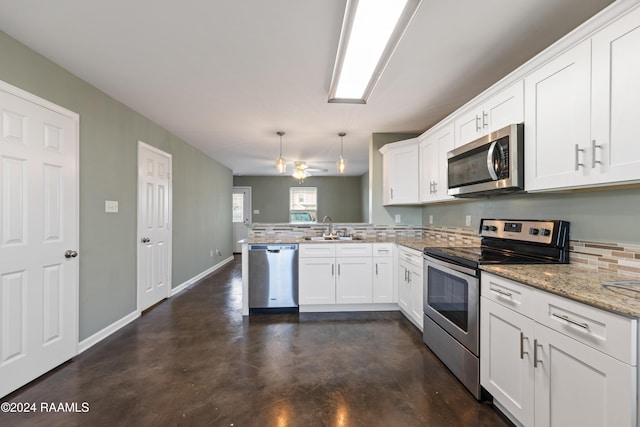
[[241, 215], [154, 225], [39, 223]]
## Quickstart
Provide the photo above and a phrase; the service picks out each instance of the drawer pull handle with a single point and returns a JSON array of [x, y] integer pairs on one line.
[[573, 322], [522, 352], [501, 292]]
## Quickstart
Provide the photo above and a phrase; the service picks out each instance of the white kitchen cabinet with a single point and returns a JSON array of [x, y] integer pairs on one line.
[[433, 149], [400, 172], [503, 109], [557, 121], [614, 153], [335, 273], [383, 279], [354, 280], [580, 112], [410, 286], [506, 359], [316, 281], [550, 361]]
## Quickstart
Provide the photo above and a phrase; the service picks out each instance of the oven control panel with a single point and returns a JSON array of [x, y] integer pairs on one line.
[[526, 231]]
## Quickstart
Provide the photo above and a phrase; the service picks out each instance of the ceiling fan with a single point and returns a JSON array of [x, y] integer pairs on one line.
[[302, 170]]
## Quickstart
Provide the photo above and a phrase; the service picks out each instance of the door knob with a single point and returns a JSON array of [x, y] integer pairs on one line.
[[70, 254], [145, 240]]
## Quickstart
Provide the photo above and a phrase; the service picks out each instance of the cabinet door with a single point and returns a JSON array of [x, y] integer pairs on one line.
[[468, 127], [614, 155], [505, 108], [354, 280], [416, 285], [317, 281], [433, 165], [428, 167], [576, 385], [402, 174], [506, 365], [557, 120], [383, 280], [404, 289]]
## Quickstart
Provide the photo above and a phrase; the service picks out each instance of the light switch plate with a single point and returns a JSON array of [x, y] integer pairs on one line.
[[256, 211], [111, 206]]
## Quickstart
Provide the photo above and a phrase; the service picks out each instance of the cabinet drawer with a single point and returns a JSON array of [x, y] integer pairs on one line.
[[317, 250], [513, 295], [608, 332], [410, 256], [353, 249], [383, 249]]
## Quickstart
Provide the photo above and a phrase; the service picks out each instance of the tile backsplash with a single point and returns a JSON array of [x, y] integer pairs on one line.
[[623, 258]]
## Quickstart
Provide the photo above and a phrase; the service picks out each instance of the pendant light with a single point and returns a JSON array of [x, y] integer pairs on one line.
[[281, 164], [342, 163]]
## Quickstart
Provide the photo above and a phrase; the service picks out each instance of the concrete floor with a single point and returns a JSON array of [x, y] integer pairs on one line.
[[194, 360]]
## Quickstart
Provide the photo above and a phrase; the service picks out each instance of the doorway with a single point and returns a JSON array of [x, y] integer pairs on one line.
[[154, 225], [241, 215]]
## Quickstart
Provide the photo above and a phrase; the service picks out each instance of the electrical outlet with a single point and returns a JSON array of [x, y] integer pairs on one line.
[[468, 221], [211, 254], [430, 219], [398, 219], [218, 252]]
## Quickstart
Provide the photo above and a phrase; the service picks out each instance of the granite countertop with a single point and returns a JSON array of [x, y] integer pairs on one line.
[[577, 283], [412, 243]]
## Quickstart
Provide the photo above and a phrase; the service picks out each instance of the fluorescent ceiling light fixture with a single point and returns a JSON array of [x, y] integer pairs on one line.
[[371, 31]]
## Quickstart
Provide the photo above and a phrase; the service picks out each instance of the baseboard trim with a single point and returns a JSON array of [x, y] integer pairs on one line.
[[94, 339], [181, 287]]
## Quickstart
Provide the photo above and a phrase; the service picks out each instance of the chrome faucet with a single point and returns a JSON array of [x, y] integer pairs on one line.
[[330, 228]]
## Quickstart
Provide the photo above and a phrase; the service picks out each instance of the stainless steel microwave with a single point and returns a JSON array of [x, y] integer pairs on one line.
[[489, 165]]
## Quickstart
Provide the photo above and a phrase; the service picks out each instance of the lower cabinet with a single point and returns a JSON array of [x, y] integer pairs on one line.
[[410, 286], [341, 273], [549, 361], [383, 278]]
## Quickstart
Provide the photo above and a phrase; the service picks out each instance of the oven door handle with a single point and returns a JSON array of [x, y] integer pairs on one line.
[[451, 266]]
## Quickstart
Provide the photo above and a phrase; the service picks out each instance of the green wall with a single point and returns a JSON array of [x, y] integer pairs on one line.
[[340, 197], [109, 135]]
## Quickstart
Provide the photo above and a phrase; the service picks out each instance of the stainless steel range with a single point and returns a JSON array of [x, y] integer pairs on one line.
[[452, 286]]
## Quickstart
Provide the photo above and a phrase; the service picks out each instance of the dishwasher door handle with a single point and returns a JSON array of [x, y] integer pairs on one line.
[[273, 251]]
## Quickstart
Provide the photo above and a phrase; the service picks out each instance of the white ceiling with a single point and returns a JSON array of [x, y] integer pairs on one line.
[[225, 75]]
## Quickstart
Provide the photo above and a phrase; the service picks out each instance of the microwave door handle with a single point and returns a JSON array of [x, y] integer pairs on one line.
[[492, 171]]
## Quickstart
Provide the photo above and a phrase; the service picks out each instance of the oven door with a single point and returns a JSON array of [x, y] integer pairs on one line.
[[451, 298]]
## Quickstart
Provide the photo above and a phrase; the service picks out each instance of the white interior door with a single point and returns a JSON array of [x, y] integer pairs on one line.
[[154, 225], [241, 216], [38, 237]]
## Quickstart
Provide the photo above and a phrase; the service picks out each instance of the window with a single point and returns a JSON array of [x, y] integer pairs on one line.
[[303, 204], [238, 207]]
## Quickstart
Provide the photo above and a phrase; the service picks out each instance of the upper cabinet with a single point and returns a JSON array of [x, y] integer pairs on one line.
[[504, 108], [400, 172], [580, 109], [615, 147], [557, 120], [433, 149]]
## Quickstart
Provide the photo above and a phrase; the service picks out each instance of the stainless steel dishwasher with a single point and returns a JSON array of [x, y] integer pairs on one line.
[[273, 276]]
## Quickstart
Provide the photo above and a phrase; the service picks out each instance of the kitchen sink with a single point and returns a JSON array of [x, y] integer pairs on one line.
[[330, 238]]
